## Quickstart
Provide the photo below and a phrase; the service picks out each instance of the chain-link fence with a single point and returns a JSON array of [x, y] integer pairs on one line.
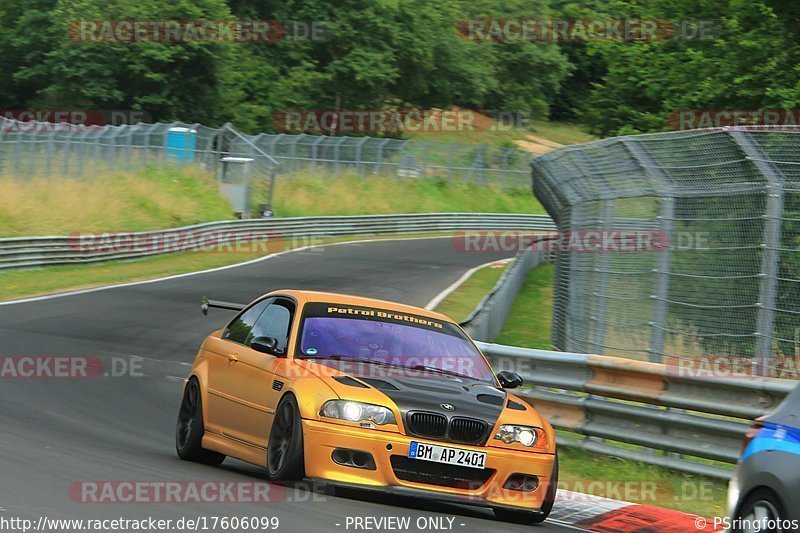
[[39, 148], [31, 148], [719, 274], [469, 163]]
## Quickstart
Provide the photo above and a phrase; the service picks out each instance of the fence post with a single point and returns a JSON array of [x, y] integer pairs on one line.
[[220, 147], [450, 156], [660, 294], [770, 257], [359, 165], [83, 143], [602, 270], [379, 158], [570, 319], [293, 152], [50, 153], [3, 139], [337, 153], [315, 151], [18, 149], [425, 159], [666, 217]]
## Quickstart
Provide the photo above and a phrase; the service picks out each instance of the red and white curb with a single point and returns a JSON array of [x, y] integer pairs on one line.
[[594, 513]]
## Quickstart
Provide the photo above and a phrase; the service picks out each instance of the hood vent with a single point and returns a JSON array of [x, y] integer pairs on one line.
[[380, 384], [491, 399], [516, 406], [347, 380]]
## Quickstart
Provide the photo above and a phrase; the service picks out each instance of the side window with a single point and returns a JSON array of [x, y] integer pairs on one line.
[[275, 322], [239, 330]]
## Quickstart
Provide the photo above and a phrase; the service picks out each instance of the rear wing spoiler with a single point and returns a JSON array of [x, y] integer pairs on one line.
[[205, 303]]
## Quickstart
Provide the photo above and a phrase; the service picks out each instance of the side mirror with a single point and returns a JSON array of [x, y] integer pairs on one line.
[[509, 380], [267, 345]]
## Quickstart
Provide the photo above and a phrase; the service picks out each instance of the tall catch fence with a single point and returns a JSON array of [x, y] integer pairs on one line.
[[459, 162], [32, 148], [721, 278]]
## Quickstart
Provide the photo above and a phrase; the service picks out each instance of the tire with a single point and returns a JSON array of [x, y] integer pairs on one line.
[[532, 517], [189, 429], [761, 503], [285, 460]]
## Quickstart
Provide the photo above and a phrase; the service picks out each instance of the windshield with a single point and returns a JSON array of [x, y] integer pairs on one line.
[[382, 342]]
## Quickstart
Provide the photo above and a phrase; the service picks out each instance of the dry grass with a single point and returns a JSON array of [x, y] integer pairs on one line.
[[169, 196], [303, 195], [113, 201]]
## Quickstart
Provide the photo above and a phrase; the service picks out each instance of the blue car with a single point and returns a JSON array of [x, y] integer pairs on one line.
[[764, 494]]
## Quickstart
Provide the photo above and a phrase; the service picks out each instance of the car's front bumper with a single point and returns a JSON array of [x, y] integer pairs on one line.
[[322, 438]]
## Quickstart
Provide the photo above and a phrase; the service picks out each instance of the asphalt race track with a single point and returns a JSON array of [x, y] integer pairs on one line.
[[57, 433]]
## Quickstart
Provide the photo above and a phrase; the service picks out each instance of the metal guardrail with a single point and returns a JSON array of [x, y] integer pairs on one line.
[[486, 321], [640, 410], [30, 252]]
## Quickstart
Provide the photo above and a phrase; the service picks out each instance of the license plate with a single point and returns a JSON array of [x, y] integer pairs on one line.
[[447, 455]]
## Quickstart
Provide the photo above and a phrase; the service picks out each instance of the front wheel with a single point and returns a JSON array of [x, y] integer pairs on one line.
[[533, 517], [285, 446], [189, 430]]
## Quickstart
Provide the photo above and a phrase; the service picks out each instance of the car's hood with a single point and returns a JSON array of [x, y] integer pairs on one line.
[[415, 390], [441, 394]]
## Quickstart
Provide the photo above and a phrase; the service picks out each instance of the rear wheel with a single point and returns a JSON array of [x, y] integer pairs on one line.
[[762, 511], [533, 517], [189, 430], [285, 446]]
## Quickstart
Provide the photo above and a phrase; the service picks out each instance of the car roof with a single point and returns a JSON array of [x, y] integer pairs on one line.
[[349, 299]]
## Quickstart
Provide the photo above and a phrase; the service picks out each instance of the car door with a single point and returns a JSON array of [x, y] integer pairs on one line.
[[248, 383], [220, 354]]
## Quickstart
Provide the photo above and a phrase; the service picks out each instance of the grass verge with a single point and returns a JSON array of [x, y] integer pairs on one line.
[[460, 303], [531, 315], [304, 195], [623, 479], [150, 198], [24, 283], [160, 198]]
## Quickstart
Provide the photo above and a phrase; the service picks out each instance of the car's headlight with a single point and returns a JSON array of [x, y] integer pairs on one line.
[[358, 412], [527, 436]]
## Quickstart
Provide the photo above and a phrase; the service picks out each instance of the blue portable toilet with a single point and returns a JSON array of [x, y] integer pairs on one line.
[[181, 145]]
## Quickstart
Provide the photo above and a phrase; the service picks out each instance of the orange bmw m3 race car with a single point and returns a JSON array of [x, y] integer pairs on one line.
[[369, 394]]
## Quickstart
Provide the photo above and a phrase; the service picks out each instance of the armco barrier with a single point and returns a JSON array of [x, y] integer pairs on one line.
[[28, 252], [680, 421], [486, 321]]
